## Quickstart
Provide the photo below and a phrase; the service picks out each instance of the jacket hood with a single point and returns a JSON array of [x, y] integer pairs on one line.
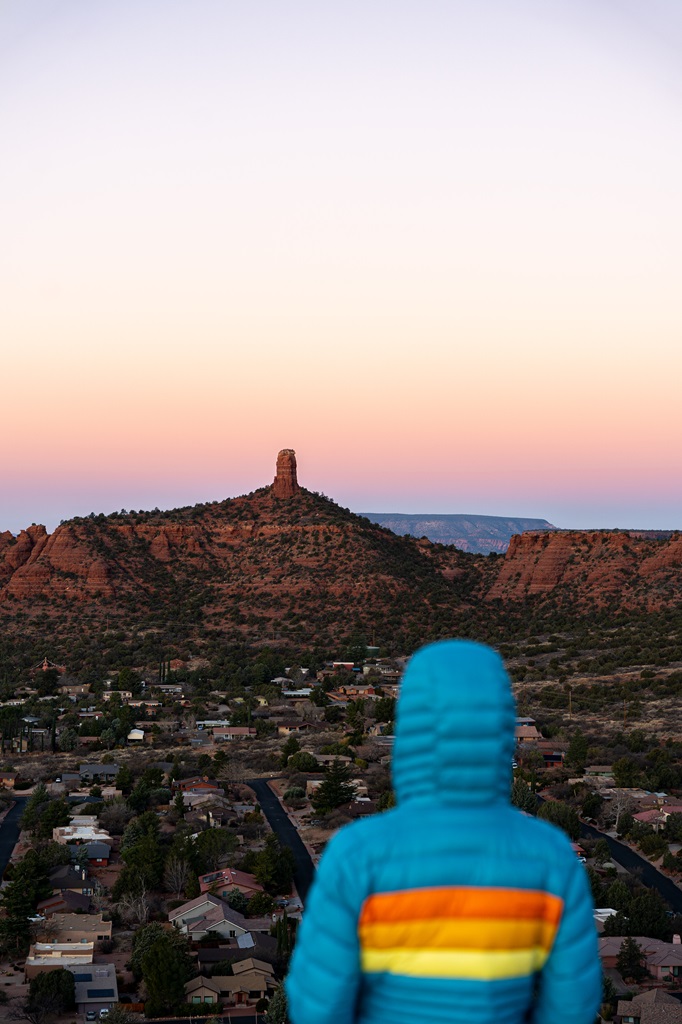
[[454, 731]]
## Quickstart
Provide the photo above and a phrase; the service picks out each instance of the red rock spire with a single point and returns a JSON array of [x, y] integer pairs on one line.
[[286, 484]]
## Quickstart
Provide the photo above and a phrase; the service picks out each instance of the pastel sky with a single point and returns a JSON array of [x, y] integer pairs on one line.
[[434, 246]]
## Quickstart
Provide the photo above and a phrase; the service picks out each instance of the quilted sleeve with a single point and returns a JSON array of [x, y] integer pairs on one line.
[[324, 978], [570, 988]]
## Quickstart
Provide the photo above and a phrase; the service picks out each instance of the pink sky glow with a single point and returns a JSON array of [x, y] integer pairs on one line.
[[434, 248]]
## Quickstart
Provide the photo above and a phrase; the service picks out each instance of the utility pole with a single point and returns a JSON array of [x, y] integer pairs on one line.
[[570, 703]]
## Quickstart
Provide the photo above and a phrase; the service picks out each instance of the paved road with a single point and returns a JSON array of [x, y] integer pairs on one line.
[[304, 869], [9, 832], [632, 861]]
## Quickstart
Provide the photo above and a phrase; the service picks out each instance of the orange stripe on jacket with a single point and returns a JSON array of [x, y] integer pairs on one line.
[[461, 902]]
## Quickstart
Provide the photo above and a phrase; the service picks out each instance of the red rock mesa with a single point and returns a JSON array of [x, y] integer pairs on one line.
[[286, 484]]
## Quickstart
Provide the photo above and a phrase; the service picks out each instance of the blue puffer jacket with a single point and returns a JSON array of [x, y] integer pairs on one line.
[[453, 907]]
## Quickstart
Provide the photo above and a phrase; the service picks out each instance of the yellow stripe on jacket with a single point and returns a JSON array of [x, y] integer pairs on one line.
[[454, 963]]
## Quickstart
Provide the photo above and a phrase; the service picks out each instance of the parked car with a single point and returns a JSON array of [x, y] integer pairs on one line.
[[91, 1015]]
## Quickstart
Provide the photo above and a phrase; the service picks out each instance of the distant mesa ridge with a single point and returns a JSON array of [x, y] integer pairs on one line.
[[480, 535]]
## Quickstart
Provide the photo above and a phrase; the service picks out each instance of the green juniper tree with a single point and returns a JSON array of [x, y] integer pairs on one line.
[[335, 790]]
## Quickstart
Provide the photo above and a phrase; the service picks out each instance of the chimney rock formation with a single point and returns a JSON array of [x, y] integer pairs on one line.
[[285, 484]]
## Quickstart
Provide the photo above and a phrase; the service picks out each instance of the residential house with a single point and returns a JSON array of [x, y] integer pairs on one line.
[[8, 779], [197, 784], [301, 696], [170, 689], [338, 699], [96, 987], [526, 734], [151, 706], [98, 772], [67, 834], [599, 771], [123, 694], [664, 959], [233, 732], [136, 736], [52, 956], [74, 689], [65, 876], [292, 726], [671, 808], [327, 759], [200, 738], [221, 883], [258, 945], [98, 854], [208, 913], [206, 798], [666, 963], [654, 818], [241, 967], [356, 690], [65, 901], [79, 928], [653, 1007], [70, 780], [552, 752], [251, 980]]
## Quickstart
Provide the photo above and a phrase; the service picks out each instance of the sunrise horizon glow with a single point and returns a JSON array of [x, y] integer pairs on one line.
[[433, 248]]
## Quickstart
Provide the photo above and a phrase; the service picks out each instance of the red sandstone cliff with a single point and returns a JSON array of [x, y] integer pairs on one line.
[[15, 552], [592, 567]]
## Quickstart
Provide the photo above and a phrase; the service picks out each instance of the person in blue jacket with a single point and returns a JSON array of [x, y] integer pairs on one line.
[[454, 906]]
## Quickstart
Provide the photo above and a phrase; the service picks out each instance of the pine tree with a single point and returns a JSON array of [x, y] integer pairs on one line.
[[523, 797], [277, 1008], [336, 789], [576, 755], [631, 962], [274, 867]]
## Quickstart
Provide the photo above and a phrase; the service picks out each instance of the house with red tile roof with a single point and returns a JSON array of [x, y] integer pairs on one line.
[[220, 883]]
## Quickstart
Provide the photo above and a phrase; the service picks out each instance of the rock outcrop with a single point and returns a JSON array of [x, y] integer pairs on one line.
[[285, 484], [597, 567], [16, 552]]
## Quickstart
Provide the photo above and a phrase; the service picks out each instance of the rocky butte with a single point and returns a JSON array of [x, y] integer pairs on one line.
[[285, 484], [286, 562]]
